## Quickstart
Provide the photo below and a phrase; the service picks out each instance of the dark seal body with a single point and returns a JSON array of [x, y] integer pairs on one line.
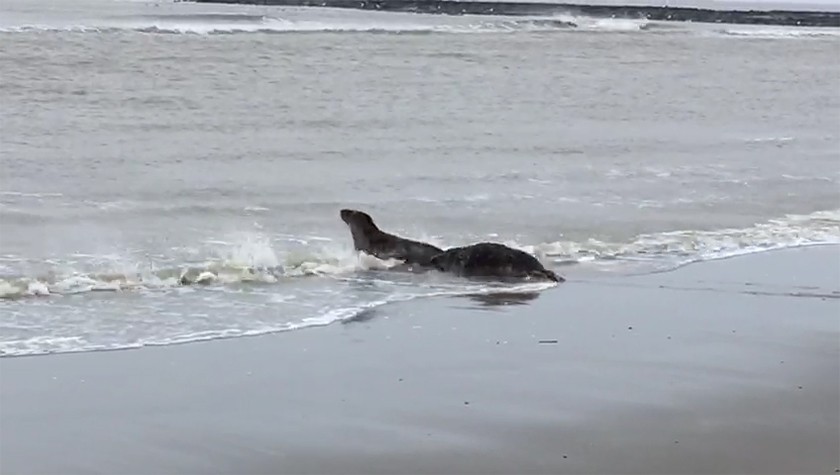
[[367, 237], [487, 259]]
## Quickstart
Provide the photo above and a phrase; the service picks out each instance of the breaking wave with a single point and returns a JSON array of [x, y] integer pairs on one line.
[[394, 23], [250, 261], [253, 260]]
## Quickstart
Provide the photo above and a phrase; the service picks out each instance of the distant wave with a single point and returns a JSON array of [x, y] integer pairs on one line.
[[220, 24], [773, 140], [208, 24]]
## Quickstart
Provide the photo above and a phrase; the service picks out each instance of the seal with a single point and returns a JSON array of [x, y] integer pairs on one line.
[[488, 259], [367, 237]]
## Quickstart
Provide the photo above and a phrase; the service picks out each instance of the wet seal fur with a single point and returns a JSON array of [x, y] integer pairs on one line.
[[367, 237], [487, 259]]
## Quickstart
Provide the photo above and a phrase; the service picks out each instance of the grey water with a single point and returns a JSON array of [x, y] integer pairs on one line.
[[141, 140]]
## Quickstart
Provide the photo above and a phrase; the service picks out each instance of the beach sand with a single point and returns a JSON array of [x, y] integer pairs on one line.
[[728, 366]]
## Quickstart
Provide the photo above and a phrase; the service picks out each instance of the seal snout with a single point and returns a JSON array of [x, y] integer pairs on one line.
[[347, 215], [354, 217]]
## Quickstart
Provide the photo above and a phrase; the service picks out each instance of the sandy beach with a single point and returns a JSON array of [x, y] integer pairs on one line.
[[179, 293], [728, 366]]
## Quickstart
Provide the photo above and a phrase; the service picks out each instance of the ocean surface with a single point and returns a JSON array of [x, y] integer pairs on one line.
[[142, 141]]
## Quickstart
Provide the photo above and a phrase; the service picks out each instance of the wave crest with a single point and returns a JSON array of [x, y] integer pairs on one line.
[[248, 259], [210, 24]]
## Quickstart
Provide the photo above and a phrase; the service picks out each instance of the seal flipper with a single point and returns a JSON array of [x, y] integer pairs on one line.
[[546, 274]]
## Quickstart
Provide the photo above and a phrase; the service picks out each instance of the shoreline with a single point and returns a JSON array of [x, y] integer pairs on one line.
[[585, 377], [806, 18], [600, 280]]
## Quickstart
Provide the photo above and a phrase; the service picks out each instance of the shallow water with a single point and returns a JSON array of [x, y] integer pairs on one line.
[[145, 140]]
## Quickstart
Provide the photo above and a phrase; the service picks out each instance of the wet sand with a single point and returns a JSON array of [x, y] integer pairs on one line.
[[730, 366]]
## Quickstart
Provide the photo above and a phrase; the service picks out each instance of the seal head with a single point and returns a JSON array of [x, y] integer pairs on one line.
[[361, 227], [368, 238]]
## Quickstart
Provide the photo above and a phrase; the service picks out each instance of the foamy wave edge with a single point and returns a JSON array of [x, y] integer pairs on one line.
[[677, 248], [780, 33]]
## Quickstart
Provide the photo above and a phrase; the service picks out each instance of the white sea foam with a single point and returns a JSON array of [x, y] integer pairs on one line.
[[780, 32], [611, 24], [243, 258], [25, 194], [778, 140]]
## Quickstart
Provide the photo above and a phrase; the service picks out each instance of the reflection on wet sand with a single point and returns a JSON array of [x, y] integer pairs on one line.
[[504, 298]]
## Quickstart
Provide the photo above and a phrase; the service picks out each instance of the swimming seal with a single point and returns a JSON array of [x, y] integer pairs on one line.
[[367, 237], [487, 259]]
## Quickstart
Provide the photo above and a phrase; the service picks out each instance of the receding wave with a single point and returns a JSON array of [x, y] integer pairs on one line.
[[50, 344]]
